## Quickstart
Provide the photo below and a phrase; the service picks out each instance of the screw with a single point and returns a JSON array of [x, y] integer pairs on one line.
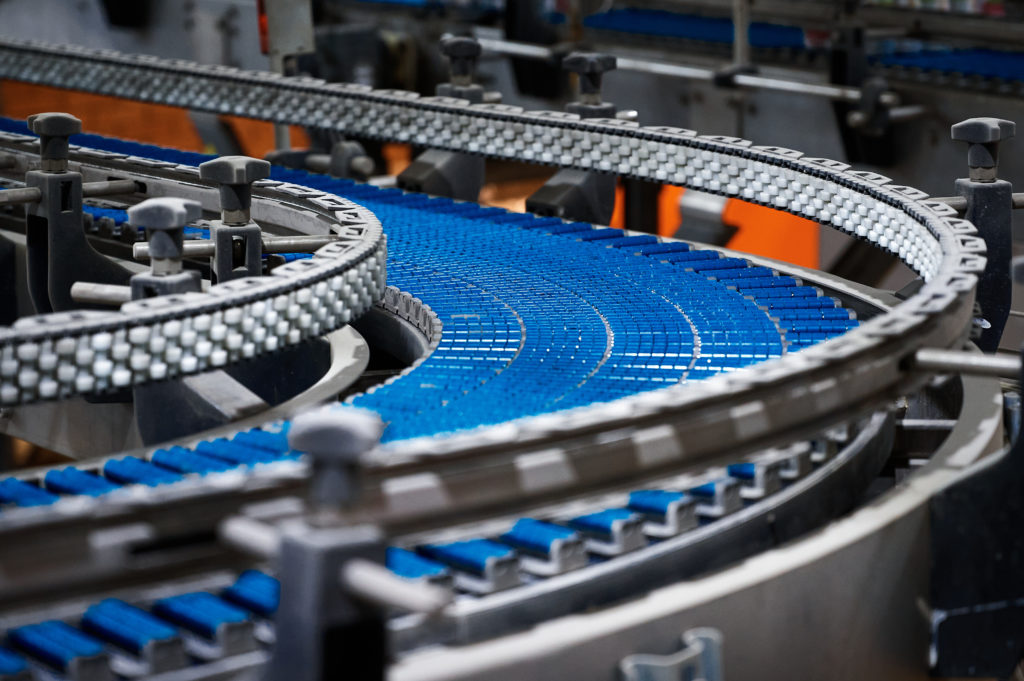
[[336, 440], [165, 220], [235, 174], [462, 53], [983, 136], [591, 67], [54, 129]]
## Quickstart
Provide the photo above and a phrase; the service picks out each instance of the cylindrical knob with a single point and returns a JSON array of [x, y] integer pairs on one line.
[[54, 129], [983, 136], [235, 174], [590, 66], [165, 220], [335, 439], [463, 53]]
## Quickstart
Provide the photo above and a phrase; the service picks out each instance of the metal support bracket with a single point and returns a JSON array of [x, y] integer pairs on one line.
[[699, 660], [223, 263], [990, 209], [977, 570], [323, 630], [58, 252]]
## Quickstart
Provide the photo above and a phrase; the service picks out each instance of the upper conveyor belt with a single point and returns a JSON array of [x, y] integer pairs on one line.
[[794, 393]]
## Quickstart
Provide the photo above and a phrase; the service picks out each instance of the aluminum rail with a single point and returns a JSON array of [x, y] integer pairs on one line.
[[688, 424]]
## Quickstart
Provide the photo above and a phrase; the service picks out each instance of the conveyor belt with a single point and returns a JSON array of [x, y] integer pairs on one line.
[[666, 24], [977, 67], [541, 315]]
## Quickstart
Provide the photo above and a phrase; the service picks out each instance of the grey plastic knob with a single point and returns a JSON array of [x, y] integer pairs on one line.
[[164, 213], [335, 439], [164, 219], [983, 130], [590, 66], [235, 170], [235, 174], [54, 129], [341, 435], [463, 53], [983, 136]]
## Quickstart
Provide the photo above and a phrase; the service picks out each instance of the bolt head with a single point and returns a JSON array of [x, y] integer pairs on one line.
[[983, 130], [235, 170], [164, 213], [54, 124], [589, 62], [460, 47], [341, 434]]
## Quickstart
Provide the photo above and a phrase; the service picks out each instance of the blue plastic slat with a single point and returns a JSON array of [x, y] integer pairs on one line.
[[200, 612], [21, 493], [127, 626], [405, 563], [255, 591], [536, 536], [55, 643]]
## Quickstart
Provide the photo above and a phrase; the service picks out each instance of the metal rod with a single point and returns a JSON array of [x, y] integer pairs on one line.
[[663, 69], [960, 362], [108, 187], [959, 203], [282, 244], [251, 536], [7, 161], [848, 94], [89, 293], [741, 32], [514, 49], [20, 195], [375, 583], [836, 92]]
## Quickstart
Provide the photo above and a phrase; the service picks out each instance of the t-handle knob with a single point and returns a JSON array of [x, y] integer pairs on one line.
[[54, 129], [983, 136], [235, 174], [165, 219]]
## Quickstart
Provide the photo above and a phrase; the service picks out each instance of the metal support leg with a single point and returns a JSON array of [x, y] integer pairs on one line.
[[323, 632], [977, 570], [990, 208], [64, 256]]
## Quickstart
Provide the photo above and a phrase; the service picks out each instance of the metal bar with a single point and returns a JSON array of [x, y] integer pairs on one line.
[[514, 49], [740, 32], [251, 536], [109, 187], [20, 195], [89, 293], [959, 362], [848, 94], [284, 244], [663, 69], [959, 203]]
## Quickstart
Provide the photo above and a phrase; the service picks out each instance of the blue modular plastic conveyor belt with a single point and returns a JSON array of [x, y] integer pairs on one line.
[[667, 24], [538, 315], [997, 65], [116, 630]]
